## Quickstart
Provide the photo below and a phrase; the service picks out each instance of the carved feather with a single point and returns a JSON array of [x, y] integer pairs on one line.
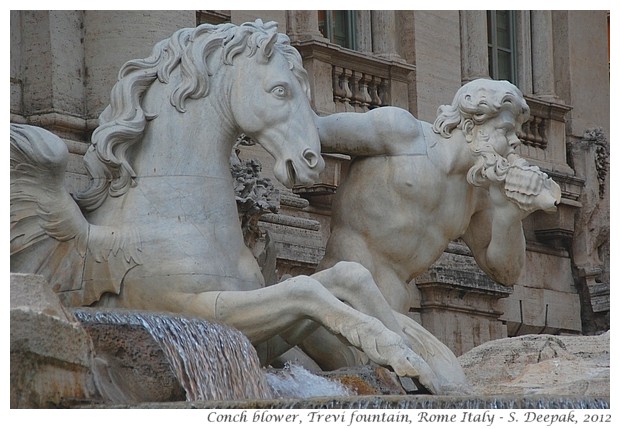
[[49, 234]]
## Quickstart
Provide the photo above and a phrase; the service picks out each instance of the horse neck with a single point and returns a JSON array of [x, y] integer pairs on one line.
[[196, 142], [185, 158]]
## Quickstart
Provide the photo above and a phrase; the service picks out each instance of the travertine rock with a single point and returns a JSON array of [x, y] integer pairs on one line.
[[540, 364], [51, 355]]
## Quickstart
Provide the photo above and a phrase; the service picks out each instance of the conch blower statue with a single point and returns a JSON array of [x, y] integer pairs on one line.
[[157, 228]]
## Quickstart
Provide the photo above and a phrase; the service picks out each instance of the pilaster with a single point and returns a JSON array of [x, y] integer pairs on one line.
[[474, 52], [384, 35], [542, 54]]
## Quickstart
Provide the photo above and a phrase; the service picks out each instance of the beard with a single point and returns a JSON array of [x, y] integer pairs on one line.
[[489, 167], [523, 184]]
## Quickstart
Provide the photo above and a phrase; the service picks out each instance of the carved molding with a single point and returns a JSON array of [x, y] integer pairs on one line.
[[536, 132], [597, 138], [360, 81]]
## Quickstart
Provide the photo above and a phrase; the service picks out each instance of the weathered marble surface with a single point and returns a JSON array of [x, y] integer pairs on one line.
[[51, 354], [414, 186]]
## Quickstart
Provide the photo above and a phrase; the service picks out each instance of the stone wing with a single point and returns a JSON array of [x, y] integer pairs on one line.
[[49, 234]]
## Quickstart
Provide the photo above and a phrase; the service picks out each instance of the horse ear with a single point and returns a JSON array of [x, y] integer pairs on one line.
[[268, 46]]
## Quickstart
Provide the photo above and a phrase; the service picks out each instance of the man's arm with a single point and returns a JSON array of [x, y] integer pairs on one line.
[[496, 239], [382, 131], [495, 233]]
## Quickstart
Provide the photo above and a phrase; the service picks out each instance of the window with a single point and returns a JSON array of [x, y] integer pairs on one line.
[[338, 26], [502, 52]]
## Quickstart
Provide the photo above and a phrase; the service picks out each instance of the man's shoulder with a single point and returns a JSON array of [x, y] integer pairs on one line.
[[418, 140]]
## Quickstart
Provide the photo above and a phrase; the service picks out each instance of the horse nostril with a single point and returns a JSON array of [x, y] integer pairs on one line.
[[312, 159]]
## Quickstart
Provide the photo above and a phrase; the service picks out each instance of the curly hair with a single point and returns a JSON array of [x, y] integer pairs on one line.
[[478, 101], [123, 122], [475, 103]]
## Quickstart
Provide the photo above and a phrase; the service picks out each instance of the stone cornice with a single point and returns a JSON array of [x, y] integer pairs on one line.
[[347, 58], [547, 109]]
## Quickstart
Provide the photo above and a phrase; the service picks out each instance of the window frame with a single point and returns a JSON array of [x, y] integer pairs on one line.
[[349, 30], [494, 47]]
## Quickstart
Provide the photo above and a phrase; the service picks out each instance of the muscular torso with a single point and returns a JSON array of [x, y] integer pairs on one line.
[[395, 215]]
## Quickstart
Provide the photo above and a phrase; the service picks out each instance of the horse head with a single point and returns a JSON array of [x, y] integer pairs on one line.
[[249, 75], [270, 101]]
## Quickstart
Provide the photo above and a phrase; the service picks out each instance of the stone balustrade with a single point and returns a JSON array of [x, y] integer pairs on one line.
[[343, 80], [534, 132], [543, 136], [358, 91]]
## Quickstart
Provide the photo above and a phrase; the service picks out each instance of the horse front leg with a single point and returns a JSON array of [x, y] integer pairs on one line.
[[267, 312], [353, 284], [450, 376]]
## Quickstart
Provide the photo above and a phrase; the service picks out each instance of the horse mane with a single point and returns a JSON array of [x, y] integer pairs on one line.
[[123, 121]]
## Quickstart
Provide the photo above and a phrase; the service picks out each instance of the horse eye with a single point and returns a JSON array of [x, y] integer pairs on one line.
[[279, 91]]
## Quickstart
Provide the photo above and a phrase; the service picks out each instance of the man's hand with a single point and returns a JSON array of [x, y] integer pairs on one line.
[[530, 188], [505, 207]]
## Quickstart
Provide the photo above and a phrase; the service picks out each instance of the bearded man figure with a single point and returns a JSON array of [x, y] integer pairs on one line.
[[413, 186]]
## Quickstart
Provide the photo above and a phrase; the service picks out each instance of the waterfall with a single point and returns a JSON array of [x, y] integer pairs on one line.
[[211, 361]]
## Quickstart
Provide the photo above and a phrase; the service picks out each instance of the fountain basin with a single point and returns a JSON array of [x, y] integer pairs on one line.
[[394, 402]]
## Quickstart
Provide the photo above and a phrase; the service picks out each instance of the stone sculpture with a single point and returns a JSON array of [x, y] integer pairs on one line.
[[157, 229], [413, 187]]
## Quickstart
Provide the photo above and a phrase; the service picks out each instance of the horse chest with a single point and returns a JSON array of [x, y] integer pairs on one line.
[[183, 223]]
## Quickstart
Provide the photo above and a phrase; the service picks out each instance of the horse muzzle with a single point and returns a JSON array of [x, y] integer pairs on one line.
[[303, 171]]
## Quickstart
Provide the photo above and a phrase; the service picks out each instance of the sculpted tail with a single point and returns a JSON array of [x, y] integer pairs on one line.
[[49, 234]]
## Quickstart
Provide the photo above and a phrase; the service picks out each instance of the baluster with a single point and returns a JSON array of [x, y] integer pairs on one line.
[[522, 134], [346, 82], [365, 96], [536, 125], [382, 92], [339, 92], [533, 131], [355, 93], [542, 131], [375, 101], [531, 137]]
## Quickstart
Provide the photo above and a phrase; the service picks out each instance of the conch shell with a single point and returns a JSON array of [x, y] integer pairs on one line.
[[530, 188]]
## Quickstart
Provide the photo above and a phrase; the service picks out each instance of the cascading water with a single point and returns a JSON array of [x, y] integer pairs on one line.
[[295, 381], [211, 361], [218, 368]]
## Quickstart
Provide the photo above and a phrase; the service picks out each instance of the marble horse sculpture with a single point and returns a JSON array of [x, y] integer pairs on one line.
[[157, 228]]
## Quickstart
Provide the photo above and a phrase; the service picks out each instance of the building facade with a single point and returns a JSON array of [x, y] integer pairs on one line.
[[64, 63]]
